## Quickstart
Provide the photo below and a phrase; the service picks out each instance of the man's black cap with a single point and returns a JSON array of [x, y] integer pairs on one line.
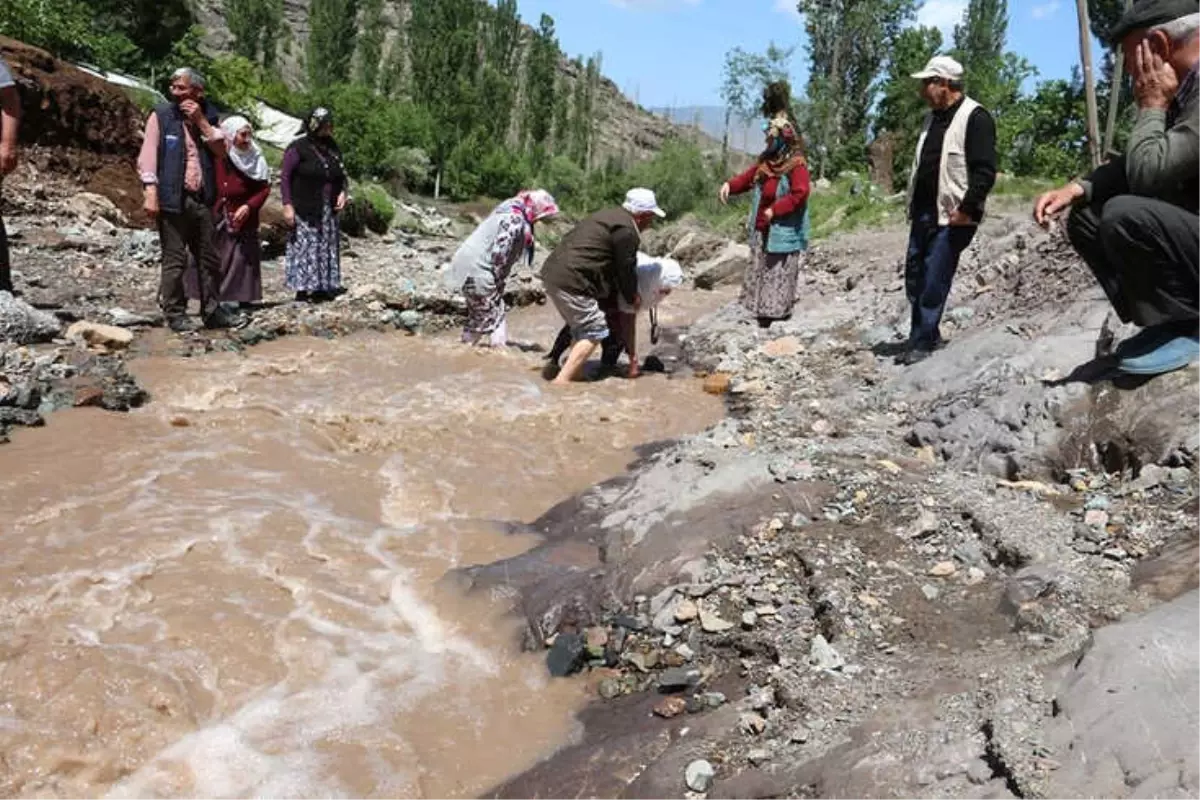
[[1151, 14]]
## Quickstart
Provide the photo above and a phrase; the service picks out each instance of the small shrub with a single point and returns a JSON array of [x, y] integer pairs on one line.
[[370, 208]]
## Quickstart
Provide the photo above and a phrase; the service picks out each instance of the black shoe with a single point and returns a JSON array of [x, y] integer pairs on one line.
[[220, 318], [182, 323], [913, 355], [303, 297]]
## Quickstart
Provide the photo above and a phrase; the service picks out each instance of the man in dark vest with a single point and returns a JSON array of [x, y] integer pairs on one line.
[[177, 167]]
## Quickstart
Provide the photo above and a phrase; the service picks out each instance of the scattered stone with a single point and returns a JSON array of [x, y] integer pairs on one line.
[[410, 320], [749, 619], [596, 639], [799, 734], [610, 688], [975, 576], [766, 611], [822, 427], [566, 654], [97, 335], [717, 383], [823, 656], [1095, 518], [713, 699], [698, 590], [784, 347], [89, 396], [670, 707], [927, 523], [930, 591], [800, 521], [678, 678], [127, 319], [699, 775], [868, 601], [979, 773], [711, 623], [943, 569], [758, 756], [686, 611], [1115, 554], [685, 652], [1150, 476], [180, 422], [752, 724], [21, 323]]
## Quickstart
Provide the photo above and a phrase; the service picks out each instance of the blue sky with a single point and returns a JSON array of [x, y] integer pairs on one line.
[[670, 52]]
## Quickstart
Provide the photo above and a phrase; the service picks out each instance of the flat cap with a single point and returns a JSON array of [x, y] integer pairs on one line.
[[1150, 14]]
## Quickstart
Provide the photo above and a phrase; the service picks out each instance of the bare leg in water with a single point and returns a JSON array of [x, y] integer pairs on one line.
[[580, 352]]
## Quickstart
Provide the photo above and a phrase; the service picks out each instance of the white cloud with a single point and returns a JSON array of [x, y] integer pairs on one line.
[[1046, 10], [942, 14], [788, 7]]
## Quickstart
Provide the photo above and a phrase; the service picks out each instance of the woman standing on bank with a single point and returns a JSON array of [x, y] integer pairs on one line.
[[779, 212], [243, 184], [313, 184]]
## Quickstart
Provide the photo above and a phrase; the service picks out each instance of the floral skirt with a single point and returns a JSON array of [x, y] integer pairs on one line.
[[486, 315], [769, 285], [314, 254]]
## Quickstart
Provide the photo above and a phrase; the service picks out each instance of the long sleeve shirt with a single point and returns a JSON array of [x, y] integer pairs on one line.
[[1162, 158], [799, 187], [193, 175], [980, 156], [507, 246], [235, 190]]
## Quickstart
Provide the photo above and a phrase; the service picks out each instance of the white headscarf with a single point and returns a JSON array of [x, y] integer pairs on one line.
[[249, 160]]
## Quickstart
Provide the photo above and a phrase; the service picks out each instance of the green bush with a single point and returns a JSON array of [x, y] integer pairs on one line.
[[410, 169], [370, 128], [370, 208]]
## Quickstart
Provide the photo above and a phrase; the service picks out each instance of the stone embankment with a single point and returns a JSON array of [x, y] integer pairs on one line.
[[972, 577]]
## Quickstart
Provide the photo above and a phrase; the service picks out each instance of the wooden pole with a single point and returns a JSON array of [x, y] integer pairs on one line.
[[1114, 94], [1089, 81]]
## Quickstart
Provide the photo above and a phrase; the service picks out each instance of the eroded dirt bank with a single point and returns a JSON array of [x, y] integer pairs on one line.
[[884, 581]]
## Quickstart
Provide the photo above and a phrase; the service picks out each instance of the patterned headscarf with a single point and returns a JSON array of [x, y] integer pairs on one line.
[[533, 205], [784, 151]]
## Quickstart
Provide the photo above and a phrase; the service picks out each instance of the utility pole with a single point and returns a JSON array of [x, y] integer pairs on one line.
[[1089, 81], [1114, 94]]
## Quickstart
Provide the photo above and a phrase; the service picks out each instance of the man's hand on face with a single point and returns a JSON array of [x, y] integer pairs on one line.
[[191, 109], [1154, 80]]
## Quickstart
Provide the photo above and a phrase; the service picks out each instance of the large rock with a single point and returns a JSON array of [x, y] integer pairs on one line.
[[1128, 724], [726, 267], [21, 323], [87, 207], [97, 335]]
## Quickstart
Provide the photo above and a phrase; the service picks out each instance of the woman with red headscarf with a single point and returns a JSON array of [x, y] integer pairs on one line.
[[778, 222], [481, 265]]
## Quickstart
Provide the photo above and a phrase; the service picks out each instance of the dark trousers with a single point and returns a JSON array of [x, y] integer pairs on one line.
[[6, 284], [1144, 253], [189, 231], [933, 253]]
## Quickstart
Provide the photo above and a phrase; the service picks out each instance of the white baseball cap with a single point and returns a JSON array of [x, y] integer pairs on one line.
[[642, 201], [941, 67]]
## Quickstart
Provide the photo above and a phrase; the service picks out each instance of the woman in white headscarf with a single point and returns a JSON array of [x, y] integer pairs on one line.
[[243, 184]]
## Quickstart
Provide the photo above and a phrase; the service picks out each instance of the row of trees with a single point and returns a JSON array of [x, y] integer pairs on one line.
[[861, 55], [454, 95]]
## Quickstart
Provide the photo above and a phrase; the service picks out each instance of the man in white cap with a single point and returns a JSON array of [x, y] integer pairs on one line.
[[953, 170], [594, 264]]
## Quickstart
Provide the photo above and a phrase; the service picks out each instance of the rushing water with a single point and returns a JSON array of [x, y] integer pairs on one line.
[[237, 590]]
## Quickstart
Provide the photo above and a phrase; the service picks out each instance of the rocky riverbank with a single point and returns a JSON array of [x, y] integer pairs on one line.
[[883, 581]]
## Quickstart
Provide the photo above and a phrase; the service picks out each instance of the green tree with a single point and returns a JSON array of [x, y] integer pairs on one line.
[[901, 109], [1045, 135], [255, 25], [743, 78], [331, 39], [372, 32], [444, 59], [848, 47], [541, 67], [372, 129], [502, 50], [979, 45]]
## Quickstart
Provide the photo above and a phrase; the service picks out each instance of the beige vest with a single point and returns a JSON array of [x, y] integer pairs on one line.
[[952, 174]]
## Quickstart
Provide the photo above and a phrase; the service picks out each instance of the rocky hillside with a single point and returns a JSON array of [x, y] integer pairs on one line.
[[625, 128]]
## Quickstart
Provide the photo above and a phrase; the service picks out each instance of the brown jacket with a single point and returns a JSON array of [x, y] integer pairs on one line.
[[597, 258]]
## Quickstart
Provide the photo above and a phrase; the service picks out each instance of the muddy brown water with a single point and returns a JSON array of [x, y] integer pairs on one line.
[[237, 591]]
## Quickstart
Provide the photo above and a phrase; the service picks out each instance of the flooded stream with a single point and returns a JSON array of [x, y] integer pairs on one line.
[[237, 590]]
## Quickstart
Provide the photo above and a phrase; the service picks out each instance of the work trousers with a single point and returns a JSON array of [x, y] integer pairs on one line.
[[1144, 252], [189, 231]]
